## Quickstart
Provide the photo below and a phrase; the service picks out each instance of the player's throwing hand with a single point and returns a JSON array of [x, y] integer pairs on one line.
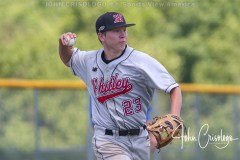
[[66, 42], [68, 39]]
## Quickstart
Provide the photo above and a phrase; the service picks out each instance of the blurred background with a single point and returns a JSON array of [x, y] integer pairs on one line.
[[44, 111]]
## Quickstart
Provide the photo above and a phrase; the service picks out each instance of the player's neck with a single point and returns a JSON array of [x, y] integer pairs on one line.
[[110, 57], [110, 54]]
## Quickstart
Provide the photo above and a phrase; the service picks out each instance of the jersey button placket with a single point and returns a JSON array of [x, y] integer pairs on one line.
[[107, 69]]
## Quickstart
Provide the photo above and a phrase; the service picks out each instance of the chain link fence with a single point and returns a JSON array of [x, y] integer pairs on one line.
[[52, 123]]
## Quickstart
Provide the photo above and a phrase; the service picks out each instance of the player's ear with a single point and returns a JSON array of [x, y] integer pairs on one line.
[[101, 36]]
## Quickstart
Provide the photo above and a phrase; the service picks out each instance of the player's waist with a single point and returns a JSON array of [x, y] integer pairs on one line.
[[122, 132]]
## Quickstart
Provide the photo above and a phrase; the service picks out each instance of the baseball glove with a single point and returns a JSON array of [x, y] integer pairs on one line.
[[166, 128]]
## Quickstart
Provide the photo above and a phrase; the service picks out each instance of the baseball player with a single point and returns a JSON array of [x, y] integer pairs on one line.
[[121, 81]]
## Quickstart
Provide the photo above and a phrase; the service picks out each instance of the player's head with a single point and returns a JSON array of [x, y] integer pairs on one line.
[[109, 21]]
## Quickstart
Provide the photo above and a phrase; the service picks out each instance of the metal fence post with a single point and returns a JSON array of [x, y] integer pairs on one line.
[[197, 122], [235, 126], [36, 126], [156, 109]]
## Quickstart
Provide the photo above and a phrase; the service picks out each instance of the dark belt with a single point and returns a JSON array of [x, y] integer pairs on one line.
[[130, 132]]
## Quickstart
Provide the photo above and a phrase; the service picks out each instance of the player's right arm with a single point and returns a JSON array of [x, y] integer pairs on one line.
[[65, 51]]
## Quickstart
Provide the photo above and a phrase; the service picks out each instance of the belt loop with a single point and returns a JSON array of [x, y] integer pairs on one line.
[[144, 127], [108, 132]]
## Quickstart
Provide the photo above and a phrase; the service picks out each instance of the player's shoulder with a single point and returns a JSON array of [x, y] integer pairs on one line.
[[86, 54], [91, 52], [139, 56], [140, 59]]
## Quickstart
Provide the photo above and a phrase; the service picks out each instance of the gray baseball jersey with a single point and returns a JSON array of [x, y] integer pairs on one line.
[[122, 89]]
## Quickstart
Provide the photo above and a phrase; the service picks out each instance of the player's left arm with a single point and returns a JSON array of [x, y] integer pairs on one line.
[[176, 101]]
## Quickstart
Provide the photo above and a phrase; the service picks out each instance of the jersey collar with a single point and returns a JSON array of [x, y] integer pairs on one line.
[[108, 61], [125, 55]]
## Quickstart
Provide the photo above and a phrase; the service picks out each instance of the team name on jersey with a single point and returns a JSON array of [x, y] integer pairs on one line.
[[113, 87]]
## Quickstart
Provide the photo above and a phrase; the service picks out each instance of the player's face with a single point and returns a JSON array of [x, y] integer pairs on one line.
[[115, 39]]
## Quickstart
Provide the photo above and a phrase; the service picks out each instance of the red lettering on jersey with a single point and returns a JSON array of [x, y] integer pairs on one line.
[[110, 88], [118, 18]]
